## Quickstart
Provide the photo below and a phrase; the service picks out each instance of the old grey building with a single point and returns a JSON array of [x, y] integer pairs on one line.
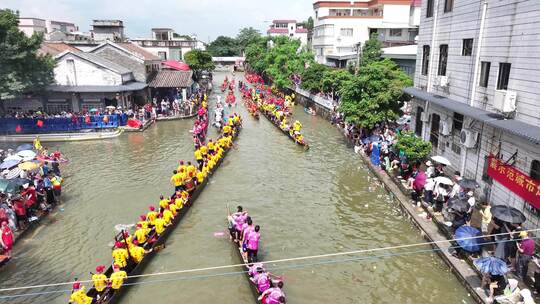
[[476, 93]]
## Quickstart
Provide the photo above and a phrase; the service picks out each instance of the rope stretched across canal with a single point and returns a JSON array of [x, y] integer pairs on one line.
[[279, 261], [223, 274]]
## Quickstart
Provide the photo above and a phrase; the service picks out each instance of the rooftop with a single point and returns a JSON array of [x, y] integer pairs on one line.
[[284, 21], [301, 30], [171, 79], [55, 48], [400, 52], [107, 22], [361, 4], [277, 31], [97, 60]]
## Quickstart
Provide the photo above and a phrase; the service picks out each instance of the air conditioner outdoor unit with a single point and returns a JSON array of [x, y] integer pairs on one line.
[[443, 81], [505, 101], [424, 117], [468, 138], [447, 127]]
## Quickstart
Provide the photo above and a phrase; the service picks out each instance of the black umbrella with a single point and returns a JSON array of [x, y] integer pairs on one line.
[[468, 183], [458, 205], [508, 214]]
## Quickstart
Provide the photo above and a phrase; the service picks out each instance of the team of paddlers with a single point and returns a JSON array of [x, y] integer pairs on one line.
[[130, 249]]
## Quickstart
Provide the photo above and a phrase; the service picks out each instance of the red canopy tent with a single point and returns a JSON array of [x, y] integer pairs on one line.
[[175, 65]]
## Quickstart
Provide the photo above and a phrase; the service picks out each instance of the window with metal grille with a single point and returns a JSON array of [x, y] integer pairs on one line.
[[535, 170], [443, 59], [448, 6], [434, 132], [484, 74], [467, 47], [418, 121], [504, 75], [429, 9], [425, 59]]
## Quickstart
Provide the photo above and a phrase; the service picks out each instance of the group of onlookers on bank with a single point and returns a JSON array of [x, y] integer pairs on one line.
[[31, 186]]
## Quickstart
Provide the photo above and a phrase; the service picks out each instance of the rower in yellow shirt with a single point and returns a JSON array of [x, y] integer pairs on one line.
[[99, 279], [199, 157], [204, 151], [163, 203], [79, 297], [120, 255], [174, 209], [200, 177], [190, 168], [181, 166], [168, 216], [177, 180], [117, 277], [141, 234], [210, 146], [160, 224], [151, 215], [137, 252], [227, 130]]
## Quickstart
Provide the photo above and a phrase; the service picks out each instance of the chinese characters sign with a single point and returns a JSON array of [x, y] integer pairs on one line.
[[515, 180]]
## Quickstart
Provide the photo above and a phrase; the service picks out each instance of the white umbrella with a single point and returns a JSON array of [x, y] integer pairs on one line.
[[27, 154], [441, 160], [13, 157], [15, 172], [443, 180]]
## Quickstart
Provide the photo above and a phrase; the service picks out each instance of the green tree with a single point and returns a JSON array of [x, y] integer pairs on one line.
[[22, 69], [224, 47], [413, 146], [312, 77], [334, 79], [375, 95], [371, 50], [308, 24], [199, 61], [255, 53], [246, 36]]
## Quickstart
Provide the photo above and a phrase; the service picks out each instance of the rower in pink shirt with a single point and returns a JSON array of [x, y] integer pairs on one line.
[[273, 295], [253, 244], [262, 280]]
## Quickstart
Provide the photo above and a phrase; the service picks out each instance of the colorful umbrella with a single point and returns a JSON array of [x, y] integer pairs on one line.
[[491, 265], [508, 214], [458, 205], [27, 154], [24, 147], [15, 172], [29, 166], [12, 185], [464, 237], [443, 180], [9, 163], [468, 183], [13, 157], [441, 160]]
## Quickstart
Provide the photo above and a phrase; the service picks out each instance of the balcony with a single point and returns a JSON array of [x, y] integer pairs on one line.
[[166, 43]]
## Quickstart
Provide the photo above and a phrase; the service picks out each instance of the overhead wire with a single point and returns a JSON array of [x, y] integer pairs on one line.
[[431, 250]]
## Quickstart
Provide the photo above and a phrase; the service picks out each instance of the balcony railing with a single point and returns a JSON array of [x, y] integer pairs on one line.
[[166, 43]]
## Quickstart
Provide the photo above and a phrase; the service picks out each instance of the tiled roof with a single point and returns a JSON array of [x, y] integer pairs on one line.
[[138, 51], [132, 86], [55, 48], [301, 30], [284, 21], [171, 79], [278, 31], [98, 61]]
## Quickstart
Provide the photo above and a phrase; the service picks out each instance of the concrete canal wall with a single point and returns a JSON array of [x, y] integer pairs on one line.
[[428, 229]]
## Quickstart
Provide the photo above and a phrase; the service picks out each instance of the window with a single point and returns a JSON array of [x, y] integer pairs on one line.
[[434, 132], [395, 32], [425, 59], [504, 76], [457, 126], [418, 121], [467, 47], [162, 55], [429, 9], [339, 12], [443, 59], [484, 74], [448, 5], [535, 170], [346, 32]]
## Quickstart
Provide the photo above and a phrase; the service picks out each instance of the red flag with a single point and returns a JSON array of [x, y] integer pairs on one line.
[[18, 129], [40, 123]]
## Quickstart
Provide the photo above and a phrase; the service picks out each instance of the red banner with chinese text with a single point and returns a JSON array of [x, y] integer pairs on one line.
[[515, 180]]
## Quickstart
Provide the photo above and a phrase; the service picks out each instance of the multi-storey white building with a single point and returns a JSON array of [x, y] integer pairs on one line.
[[341, 27], [108, 30], [168, 46], [476, 94], [289, 28]]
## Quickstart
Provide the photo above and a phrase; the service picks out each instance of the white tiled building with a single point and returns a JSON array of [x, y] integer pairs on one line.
[[165, 45], [476, 89], [340, 27], [289, 28]]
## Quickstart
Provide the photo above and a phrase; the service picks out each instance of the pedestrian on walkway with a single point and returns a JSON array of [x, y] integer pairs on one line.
[[526, 251], [486, 216]]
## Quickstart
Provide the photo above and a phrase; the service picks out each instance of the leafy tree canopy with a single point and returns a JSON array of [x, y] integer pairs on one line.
[[375, 95], [224, 47], [371, 50], [312, 77], [413, 146], [22, 69], [199, 61], [246, 36]]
